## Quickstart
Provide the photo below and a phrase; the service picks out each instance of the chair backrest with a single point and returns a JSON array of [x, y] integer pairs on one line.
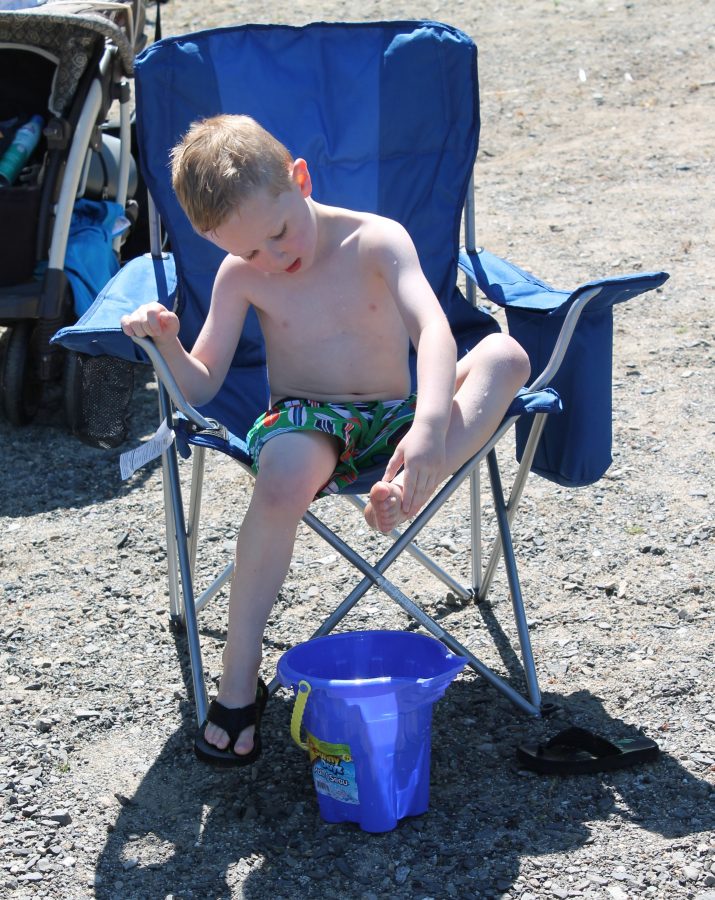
[[386, 114]]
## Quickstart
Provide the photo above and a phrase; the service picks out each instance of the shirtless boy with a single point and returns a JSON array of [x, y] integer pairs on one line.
[[339, 296]]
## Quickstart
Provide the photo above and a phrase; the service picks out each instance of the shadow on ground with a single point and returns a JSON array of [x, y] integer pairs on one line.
[[72, 474], [190, 831]]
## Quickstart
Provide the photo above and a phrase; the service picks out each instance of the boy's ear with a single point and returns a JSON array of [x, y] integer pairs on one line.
[[301, 176]]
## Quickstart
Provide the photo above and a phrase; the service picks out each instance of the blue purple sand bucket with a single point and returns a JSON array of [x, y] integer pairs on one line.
[[365, 700]]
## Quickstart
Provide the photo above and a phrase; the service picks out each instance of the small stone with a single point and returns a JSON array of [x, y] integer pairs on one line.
[[401, 873], [82, 714], [61, 816]]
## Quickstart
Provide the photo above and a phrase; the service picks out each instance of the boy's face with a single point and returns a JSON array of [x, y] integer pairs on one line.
[[276, 235]]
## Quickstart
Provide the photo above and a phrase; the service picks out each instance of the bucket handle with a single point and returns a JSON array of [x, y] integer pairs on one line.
[[296, 719]]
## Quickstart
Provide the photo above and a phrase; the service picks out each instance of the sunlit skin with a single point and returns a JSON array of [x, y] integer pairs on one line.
[[339, 295]]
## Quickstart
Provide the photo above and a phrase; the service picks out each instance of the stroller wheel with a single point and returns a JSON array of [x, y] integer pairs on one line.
[[20, 385]]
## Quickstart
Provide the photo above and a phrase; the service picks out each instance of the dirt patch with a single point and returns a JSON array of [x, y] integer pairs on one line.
[[595, 159]]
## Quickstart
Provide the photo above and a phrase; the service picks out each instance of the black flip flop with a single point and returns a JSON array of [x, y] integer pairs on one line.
[[577, 751], [233, 722]]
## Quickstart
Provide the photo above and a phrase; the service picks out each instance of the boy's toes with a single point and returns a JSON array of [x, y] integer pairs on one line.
[[216, 736], [244, 744], [383, 510]]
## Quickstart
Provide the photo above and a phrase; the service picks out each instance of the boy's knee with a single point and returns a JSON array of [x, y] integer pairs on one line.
[[290, 475], [283, 489], [508, 356], [518, 360]]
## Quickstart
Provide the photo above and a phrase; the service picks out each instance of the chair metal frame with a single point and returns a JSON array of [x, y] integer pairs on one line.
[[182, 531]]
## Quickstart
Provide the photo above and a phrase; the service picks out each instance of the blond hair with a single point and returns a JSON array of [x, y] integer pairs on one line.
[[220, 162]]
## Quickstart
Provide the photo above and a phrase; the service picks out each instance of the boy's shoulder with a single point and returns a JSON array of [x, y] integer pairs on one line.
[[342, 213], [368, 225]]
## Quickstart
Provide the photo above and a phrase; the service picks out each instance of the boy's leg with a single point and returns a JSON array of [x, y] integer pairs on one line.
[[488, 377], [293, 467]]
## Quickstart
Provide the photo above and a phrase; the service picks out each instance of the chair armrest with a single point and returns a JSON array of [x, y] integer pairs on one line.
[[163, 373], [98, 333], [521, 292]]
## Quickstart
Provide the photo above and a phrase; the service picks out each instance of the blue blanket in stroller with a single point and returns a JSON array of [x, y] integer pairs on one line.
[[91, 261]]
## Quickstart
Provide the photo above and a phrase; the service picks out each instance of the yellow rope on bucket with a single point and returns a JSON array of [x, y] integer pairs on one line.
[[296, 719]]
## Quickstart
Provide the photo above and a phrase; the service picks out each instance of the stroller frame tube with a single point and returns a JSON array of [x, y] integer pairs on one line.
[[72, 176], [125, 137], [76, 161]]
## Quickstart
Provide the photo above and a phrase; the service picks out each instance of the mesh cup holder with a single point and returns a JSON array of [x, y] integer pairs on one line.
[[98, 392]]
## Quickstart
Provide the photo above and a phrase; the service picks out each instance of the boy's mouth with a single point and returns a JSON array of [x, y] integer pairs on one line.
[[294, 266]]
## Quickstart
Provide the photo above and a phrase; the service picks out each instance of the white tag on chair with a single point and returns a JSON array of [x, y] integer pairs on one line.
[[132, 460]]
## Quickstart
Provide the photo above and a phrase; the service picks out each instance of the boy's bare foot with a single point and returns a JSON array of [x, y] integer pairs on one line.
[[384, 508]]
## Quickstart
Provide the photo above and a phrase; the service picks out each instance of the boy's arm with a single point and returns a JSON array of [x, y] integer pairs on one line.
[[422, 450], [200, 373]]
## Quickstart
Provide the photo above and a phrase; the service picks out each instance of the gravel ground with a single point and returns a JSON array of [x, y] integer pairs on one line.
[[596, 157]]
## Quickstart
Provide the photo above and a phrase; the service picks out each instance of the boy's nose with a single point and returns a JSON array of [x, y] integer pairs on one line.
[[276, 253]]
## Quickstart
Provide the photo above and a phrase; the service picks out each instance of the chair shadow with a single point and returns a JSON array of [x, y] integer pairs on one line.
[[190, 831]]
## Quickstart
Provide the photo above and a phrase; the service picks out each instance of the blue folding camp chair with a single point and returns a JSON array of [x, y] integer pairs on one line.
[[387, 116]]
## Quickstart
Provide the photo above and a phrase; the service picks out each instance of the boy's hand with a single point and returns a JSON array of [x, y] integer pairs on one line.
[[421, 451], [151, 320]]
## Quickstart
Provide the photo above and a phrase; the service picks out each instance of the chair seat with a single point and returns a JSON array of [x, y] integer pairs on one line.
[[526, 402]]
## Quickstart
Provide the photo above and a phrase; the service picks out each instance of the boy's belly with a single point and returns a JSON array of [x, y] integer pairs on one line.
[[336, 369]]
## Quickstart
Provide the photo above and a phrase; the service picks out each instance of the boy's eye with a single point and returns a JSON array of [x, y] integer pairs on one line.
[[276, 237]]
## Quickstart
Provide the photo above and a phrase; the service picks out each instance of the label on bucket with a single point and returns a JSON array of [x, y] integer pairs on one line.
[[333, 770]]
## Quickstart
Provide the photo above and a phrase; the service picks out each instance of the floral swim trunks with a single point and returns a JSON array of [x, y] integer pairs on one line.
[[368, 431]]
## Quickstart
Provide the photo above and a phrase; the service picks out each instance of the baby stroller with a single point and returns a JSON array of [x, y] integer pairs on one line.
[[65, 65]]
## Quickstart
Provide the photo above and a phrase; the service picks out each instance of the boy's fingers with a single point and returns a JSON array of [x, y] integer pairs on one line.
[[394, 465], [153, 321], [406, 501], [420, 492], [408, 492]]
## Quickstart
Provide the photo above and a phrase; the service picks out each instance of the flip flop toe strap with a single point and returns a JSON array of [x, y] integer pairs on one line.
[[232, 721], [580, 739]]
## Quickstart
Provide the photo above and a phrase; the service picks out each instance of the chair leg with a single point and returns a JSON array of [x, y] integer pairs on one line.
[[176, 611], [475, 504], [513, 502], [373, 575], [197, 483], [184, 564], [424, 560], [527, 656]]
